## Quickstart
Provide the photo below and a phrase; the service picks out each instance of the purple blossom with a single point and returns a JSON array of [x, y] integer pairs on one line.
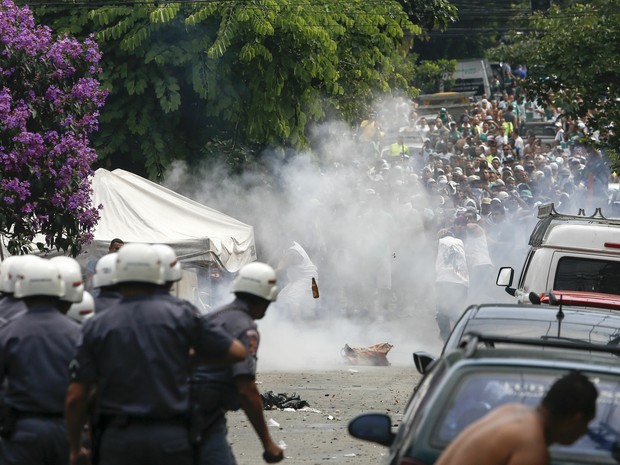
[[45, 175]]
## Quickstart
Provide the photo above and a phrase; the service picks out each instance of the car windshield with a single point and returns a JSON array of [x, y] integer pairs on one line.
[[479, 392]]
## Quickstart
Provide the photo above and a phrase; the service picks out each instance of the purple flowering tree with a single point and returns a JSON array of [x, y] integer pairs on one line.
[[49, 104]]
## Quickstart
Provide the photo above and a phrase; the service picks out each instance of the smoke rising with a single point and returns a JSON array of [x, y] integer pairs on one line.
[[370, 230]]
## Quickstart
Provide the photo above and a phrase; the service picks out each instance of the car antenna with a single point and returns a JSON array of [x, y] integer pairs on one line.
[[560, 315]]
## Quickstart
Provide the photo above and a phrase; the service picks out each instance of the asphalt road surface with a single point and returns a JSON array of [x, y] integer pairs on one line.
[[305, 359], [318, 434]]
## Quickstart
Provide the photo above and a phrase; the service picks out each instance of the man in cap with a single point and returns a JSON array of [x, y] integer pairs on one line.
[[137, 355], [220, 389]]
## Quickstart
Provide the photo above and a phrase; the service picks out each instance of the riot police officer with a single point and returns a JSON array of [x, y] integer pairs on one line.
[[9, 269], [35, 351], [83, 310], [218, 389], [137, 354], [71, 276], [104, 283]]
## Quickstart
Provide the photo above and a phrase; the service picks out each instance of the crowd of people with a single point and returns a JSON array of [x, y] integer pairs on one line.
[[477, 175]]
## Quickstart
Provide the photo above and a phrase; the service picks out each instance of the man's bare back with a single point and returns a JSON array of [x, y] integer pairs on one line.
[[512, 434]]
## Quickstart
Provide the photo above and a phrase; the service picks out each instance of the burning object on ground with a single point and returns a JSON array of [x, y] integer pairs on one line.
[[375, 355], [273, 401]]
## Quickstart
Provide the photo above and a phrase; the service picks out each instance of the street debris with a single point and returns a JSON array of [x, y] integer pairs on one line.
[[283, 401], [375, 355]]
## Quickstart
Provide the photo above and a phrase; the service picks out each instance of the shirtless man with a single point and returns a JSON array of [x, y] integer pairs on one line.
[[516, 434]]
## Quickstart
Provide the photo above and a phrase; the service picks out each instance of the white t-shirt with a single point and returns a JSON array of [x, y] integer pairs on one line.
[[451, 263]]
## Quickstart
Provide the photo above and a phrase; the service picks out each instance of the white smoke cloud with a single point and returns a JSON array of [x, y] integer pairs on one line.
[[334, 203]]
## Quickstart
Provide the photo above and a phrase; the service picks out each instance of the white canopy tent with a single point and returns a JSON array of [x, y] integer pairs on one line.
[[138, 210]]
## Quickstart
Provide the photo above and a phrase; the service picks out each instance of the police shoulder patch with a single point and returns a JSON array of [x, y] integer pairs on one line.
[[253, 340], [74, 368]]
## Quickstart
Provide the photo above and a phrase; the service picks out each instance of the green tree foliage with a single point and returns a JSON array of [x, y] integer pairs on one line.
[[429, 75], [430, 14], [572, 60], [188, 81]]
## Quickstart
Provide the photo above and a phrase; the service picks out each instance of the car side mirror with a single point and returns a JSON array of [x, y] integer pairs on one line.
[[373, 427], [422, 360], [505, 276]]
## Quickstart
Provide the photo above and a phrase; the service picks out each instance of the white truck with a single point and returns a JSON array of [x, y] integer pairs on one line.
[[471, 76], [568, 252]]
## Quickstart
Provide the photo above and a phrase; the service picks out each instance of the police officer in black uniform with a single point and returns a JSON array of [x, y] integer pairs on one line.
[[104, 283], [137, 354], [35, 351], [9, 305], [218, 389]]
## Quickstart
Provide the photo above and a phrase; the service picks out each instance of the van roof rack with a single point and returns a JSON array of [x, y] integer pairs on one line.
[[474, 339], [547, 215]]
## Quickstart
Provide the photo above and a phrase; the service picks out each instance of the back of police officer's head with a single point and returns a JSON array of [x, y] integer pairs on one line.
[[39, 282], [6, 284], [71, 275], [139, 269], [172, 266], [105, 273], [256, 285], [83, 310], [9, 269]]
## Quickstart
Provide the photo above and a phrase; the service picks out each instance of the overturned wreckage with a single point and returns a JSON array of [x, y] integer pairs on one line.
[[375, 355]]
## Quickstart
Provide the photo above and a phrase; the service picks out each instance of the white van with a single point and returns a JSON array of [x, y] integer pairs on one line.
[[569, 252], [472, 77]]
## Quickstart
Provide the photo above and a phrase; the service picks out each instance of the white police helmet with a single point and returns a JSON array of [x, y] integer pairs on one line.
[[105, 271], [71, 274], [258, 279], [81, 311], [172, 267], [10, 268], [39, 277], [7, 281], [139, 263]]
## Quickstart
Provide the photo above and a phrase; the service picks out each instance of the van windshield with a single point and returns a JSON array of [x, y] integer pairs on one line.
[[580, 274]]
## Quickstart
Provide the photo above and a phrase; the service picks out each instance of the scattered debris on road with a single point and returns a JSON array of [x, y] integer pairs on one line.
[[375, 355], [273, 401]]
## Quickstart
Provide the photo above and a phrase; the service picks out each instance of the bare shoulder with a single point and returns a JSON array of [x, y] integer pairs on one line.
[[509, 435]]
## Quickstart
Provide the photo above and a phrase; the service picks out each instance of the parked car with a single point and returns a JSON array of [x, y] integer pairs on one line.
[[567, 323], [468, 382], [568, 252]]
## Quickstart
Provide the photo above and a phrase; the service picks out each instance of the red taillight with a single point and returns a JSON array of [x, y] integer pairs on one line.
[[612, 245], [85, 312]]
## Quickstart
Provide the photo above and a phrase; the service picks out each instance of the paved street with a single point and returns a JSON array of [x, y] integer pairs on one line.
[[319, 434]]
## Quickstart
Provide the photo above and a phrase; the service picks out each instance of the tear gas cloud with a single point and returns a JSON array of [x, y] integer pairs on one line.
[[362, 225]]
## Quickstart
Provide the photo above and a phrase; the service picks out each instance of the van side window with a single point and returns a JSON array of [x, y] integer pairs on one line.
[[579, 274]]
